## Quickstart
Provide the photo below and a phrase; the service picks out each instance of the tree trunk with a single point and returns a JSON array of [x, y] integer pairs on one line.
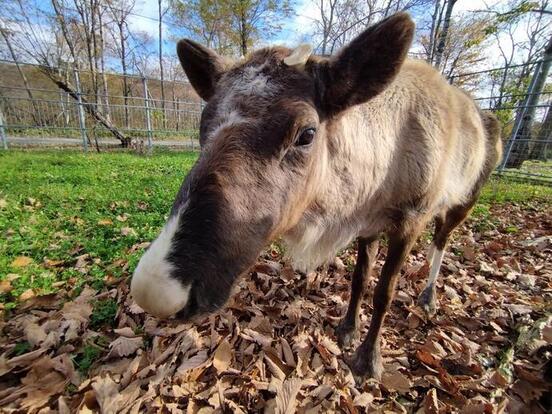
[[433, 31], [124, 65], [160, 3], [520, 148], [61, 21], [94, 65], [444, 33], [36, 112], [89, 107], [105, 88], [243, 34], [503, 80]]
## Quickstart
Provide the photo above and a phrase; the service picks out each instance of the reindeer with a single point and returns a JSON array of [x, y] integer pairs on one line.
[[319, 151]]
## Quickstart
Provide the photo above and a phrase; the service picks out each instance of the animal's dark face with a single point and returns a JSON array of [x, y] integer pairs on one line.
[[264, 153]]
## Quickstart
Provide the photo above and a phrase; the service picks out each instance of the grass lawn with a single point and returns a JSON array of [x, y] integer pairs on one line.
[[57, 206], [67, 218]]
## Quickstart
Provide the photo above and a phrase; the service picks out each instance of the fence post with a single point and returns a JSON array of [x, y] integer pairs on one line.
[[201, 107], [3, 136], [82, 122], [519, 120], [148, 118], [178, 114]]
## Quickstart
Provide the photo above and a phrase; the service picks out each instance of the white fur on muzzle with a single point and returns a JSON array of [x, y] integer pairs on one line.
[[152, 286]]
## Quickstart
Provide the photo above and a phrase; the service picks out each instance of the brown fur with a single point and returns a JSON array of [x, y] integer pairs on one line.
[[395, 147]]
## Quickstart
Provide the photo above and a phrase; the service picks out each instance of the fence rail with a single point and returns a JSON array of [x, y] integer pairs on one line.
[[525, 112], [43, 114]]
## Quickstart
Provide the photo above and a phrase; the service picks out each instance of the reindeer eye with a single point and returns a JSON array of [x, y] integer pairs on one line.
[[306, 137]]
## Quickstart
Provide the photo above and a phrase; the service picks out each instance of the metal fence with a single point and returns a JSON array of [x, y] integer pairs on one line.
[[39, 113], [524, 109]]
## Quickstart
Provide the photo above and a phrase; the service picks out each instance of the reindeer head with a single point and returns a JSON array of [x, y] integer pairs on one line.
[[265, 146]]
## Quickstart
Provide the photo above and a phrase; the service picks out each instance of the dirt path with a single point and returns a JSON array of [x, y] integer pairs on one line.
[[70, 142]]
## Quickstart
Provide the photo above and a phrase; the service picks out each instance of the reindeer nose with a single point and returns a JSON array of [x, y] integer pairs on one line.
[[155, 291], [153, 287]]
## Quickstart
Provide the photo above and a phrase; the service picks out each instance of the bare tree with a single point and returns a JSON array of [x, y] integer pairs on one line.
[[120, 10], [250, 19], [523, 35], [162, 11], [443, 33], [436, 21], [204, 20], [339, 21], [74, 43], [101, 40], [36, 113], [520, 33], [464, 45], [231, 26]]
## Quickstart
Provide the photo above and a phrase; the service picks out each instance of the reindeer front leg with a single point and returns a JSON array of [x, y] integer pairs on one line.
[[366, 257], [366, 361]]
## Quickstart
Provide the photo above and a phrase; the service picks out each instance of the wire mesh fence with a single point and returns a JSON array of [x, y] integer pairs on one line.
[[37, 112], [521, 97]]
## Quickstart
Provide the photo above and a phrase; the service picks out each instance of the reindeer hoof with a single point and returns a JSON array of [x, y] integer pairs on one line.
[[345, 333], [365, 366], [426, 301]]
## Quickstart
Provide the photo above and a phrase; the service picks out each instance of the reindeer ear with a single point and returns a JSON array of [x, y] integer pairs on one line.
[[366, 66], [203, 66]]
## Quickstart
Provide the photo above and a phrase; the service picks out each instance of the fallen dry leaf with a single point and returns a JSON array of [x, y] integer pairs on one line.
[[28, 294], [21, 261], [395, 380], [273, 348], [222, 356], [5, 286], [106, 394], [123, 346], [286, 397], [428, 358], [192, 362], [431, 403], [34, 333], [363, 400], [128, 231]]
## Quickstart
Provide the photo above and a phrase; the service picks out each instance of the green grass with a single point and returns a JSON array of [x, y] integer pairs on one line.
[[51, 204], [84, 359], [58, 205], [505, 190], [21, 348], [103, 313]]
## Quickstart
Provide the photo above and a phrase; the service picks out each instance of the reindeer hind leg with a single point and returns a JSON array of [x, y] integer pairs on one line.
[[444, 225]]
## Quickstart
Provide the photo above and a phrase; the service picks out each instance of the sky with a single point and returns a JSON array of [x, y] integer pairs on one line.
[[296, 29]]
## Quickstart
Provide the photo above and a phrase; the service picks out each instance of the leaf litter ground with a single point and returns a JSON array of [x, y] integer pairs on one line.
[[273, 349]]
